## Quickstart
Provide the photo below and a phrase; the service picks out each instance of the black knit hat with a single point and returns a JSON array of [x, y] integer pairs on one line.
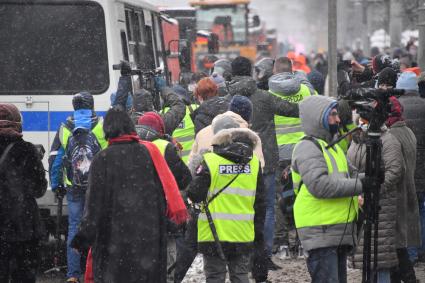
[[317, 80], [142, 101], [241, 66], [387, 76], [241, 105], [83, 100]]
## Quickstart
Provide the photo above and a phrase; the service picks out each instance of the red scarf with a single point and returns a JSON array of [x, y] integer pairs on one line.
[[176, 209], [396, 112]]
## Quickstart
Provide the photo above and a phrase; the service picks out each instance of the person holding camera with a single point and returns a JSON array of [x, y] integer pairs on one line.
[[22, 181], [325, 207], [143, 100], [76, 143]]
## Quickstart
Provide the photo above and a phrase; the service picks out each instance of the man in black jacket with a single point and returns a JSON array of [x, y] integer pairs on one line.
[[265, 106], [21, 183]]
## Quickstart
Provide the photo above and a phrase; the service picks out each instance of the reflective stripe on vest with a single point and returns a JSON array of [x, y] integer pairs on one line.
[[288, 129], [161, 145], [310, 211], [185, 133], [344, 143], [65, 134], [232, 210]]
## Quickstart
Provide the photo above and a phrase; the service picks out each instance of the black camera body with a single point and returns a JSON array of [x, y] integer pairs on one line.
[[372, 104]]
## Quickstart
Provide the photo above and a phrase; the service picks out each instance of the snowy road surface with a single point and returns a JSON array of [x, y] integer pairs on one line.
[[293, 271]]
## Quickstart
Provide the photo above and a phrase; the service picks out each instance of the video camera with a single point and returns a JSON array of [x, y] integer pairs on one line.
[[146, 79], [372, 104], [145, 76]]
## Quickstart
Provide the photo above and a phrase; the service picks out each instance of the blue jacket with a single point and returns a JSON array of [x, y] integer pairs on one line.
[[81, 119]]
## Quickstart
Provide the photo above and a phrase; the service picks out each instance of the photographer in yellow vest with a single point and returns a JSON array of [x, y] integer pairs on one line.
[[228, 182]]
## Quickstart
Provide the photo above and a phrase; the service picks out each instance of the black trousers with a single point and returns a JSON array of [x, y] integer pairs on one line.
[[187, 248], [405, 271], [19, 261]]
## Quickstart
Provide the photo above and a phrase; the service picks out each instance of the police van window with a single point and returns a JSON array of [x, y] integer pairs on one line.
[[141, 20], [158, 42], [136, 28], [124, 45], [55, 48], [128, 25], [148, 61], [132, 36]]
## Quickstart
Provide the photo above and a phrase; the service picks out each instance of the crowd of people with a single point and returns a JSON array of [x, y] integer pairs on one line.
[[232, 166]]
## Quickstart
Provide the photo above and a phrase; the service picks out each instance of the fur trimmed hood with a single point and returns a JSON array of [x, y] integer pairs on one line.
[[228, 136], [225, 137]]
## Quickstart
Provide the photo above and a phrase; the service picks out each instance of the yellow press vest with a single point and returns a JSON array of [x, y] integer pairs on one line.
[[65, 133], [233, 210], [310, 211], [288, 129], [161, 145], [185, 133]]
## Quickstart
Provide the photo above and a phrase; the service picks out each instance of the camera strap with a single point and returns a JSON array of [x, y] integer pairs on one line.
[[211, 221], [313, 140], [222, 189], [5, 153]]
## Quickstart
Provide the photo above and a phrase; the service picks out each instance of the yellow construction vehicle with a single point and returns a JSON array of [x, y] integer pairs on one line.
[[223, 31]]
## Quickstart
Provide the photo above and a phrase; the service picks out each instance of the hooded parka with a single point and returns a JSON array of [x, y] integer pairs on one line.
[[311, 164], [265, 106], [408, 229]]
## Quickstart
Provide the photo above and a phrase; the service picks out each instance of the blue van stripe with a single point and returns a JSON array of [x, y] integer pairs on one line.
[[37, 121]]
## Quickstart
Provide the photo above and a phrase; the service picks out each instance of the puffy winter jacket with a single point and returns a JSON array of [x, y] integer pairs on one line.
[[265, 106], [408, 221], [309, 162], [205, 113], [414, 115], [392, 160]]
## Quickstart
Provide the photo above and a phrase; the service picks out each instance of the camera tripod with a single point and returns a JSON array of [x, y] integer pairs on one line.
[[56, 257], [371, 197]]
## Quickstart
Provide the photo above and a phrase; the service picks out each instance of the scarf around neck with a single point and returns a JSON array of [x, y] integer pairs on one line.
[[176, 209]]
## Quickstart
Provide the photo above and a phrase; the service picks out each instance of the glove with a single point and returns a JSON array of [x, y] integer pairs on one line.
[[160, 82], [125, 68], [60, 191]]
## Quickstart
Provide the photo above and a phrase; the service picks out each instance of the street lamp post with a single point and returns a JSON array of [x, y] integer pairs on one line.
[[332, 47]]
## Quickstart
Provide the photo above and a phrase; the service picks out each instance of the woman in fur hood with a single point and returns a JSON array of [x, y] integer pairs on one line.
[[236, 145]]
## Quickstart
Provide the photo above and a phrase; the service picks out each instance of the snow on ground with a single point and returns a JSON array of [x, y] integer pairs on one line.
[[293, 271]]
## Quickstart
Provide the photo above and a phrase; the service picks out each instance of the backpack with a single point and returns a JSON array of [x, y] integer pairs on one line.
[[79, 153]]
